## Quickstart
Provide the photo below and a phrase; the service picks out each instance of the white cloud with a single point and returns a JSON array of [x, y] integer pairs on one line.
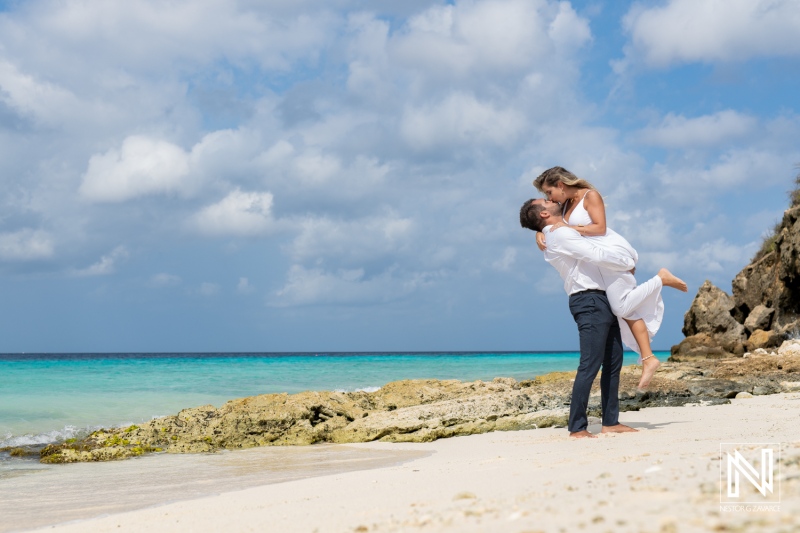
[[567, 30], [31, 96], [711, 257], [239, 213], [26, 245], [208, 289], [147, 35], [354, 241], [368, 72], [310, 171], [106, 265], [244, 286], [140, 167], [506, 261], [504, 35], [315, 167], [714, 30], [223, 153], [732, 168], [677, 131], [460, 119], [315, 286], [549, 282], [645, 229], [277, 154], [163, 279]]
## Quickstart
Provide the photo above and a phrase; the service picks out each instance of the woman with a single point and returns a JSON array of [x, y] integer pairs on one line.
[[640, 308]]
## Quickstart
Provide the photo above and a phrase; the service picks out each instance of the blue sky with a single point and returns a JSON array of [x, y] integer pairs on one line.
[[345, 176]]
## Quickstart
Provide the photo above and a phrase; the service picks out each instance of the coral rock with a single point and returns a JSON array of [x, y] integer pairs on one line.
[[790, 347], [701, 345], [759, 318], [761, 339], [710, 315]]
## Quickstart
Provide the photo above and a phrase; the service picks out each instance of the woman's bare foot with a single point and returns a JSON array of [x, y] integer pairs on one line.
[[668, 279], [582, 435], [619, 428], [649, 367]]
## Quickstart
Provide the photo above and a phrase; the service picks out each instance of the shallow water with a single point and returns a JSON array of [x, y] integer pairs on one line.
[[34, 495]]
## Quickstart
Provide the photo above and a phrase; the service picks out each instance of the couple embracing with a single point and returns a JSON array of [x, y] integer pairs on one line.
[[597, 267]]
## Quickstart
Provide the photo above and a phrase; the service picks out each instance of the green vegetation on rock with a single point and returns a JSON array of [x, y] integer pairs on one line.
[[771, 239]]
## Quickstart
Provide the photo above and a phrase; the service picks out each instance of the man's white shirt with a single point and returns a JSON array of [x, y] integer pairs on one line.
[[579, 259]]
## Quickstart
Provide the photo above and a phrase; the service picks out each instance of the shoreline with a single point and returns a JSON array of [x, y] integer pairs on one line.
[[336, 416], [423, 410], [145, 386], [665, 477]]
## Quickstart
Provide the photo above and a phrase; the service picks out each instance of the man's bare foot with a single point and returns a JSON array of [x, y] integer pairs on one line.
[[619, 428], [668, 279], [582, 435], [649, 367]]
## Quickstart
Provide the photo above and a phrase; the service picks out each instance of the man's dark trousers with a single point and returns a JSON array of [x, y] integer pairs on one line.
[[601, 345]]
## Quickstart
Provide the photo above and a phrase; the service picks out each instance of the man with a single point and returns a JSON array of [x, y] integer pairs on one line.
[[579, 262]]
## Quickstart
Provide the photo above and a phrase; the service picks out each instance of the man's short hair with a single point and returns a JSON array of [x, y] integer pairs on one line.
[[530, 216]]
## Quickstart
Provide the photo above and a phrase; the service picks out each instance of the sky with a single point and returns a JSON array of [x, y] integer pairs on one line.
[[342, 175]]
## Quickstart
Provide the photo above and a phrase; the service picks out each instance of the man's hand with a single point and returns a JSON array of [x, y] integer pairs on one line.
[[563, 224], [540, 241]]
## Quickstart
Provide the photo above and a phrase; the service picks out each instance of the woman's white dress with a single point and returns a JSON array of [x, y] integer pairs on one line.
[[627, 300]]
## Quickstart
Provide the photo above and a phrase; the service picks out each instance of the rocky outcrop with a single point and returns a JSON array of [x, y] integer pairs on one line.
[[416, 411], [764, 339], [710, 327], [759, 318], [764, 309], [773, 280], [425, 410]]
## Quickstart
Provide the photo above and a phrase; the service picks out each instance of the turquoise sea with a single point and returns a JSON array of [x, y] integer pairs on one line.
[[50, 397]]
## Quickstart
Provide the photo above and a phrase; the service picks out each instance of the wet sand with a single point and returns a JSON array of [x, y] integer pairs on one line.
[[47, 494]]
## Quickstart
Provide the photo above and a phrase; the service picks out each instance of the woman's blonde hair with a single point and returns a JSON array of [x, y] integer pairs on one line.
[[555, 175]]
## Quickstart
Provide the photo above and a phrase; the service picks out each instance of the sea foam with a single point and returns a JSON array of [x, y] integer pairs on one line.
[[48, 437], [363, 389]]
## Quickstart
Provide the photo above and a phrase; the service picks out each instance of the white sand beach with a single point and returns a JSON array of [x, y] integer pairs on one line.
[[664, 478]]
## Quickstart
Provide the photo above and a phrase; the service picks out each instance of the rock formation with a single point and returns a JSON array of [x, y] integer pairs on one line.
[[419, 411], [709, 325], [765, 307]]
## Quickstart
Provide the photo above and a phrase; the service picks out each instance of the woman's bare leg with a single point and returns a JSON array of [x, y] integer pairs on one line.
[[649, 362]]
